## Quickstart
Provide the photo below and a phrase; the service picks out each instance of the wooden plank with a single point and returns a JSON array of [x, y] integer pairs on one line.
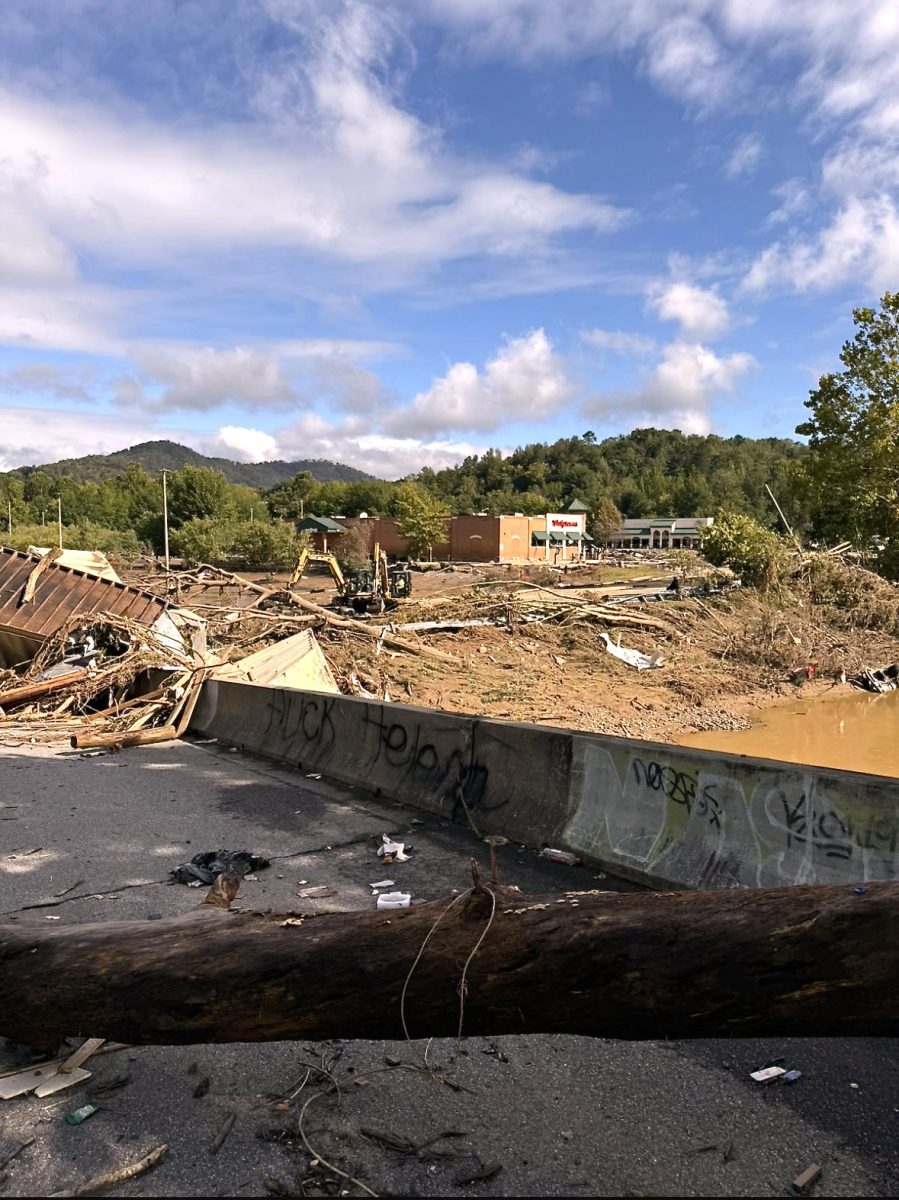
[[81, 1055], [58, 1083]]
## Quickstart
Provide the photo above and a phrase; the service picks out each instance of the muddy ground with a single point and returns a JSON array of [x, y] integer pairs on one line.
[[727, 657]]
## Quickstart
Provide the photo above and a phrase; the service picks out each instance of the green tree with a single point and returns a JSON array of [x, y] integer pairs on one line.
[[853, 437], [748, 548], [265, 546], [202, 539], [12, 499], [421, 518], [196, 493], [604, 520], [289, 499]]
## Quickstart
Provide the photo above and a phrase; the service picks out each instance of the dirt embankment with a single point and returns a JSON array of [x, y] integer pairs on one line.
[[726, 658]]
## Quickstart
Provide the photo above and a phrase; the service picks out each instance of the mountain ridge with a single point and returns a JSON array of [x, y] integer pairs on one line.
[[163, 455]]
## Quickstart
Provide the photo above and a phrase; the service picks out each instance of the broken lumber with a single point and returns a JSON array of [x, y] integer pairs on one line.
[[794, 961], [34, 691], [31, 582], [377, 633]]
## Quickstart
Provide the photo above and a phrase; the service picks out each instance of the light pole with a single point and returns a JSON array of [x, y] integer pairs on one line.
[[165, 520], [59, 519]]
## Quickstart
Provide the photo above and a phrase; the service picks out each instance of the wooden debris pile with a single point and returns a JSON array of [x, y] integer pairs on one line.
[[100, 697], [521, 602]]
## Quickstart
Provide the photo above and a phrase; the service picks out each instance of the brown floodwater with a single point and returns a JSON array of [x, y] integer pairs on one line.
[[854, 733]]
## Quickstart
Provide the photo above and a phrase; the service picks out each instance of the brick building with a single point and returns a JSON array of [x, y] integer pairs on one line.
[[511, 537]]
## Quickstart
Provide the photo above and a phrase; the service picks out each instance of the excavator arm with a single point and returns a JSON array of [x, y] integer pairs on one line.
[[312, 556]]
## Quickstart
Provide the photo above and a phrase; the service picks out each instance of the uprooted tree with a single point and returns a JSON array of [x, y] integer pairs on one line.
[[788, 961]]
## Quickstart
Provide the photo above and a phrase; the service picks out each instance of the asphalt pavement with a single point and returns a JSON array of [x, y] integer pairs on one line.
[[92, 838]]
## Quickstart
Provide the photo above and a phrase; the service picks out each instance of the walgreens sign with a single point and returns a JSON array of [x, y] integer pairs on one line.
[[570, 523]]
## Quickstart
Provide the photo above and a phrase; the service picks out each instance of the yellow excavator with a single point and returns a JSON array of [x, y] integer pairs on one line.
[[371, 590]]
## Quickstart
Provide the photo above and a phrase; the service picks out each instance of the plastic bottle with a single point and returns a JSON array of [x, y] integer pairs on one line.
[[560, 856], [82, 1113]]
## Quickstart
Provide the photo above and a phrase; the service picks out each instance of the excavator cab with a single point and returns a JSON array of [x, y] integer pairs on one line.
[[374, 589], [400, 581]]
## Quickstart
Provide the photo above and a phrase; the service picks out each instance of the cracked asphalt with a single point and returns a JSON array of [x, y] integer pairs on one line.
[[93, 838]]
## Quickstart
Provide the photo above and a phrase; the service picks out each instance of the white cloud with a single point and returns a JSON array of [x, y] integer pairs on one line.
[[46, 380], [29, 253], [385, 456], [60, 317], [794, 198], [701, 312], [685, 57], [352, 349], [356, 178], [680, 388], [745, 157], [860, 243], [244, 445], [206, 378], [42, 435], [620, 342], [524, 381]]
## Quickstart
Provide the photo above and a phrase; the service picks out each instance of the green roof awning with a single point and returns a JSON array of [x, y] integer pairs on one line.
[[577, 506], [320, 525], [538, 538]]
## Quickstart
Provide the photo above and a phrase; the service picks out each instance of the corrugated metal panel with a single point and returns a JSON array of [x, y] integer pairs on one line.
[[61, 593], [91, 562]]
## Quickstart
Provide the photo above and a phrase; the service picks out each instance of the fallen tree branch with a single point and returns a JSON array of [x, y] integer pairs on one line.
[[376, 633], [102, 1183], [35, 691], [794, 961]]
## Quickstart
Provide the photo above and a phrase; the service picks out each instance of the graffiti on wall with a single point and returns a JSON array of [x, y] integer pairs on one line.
[[721, 824], [829, 831], [384, 749], [453, 775], [680, 787]]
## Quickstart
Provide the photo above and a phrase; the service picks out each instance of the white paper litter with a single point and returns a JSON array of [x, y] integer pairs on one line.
[[394, 900], [767, 1073], [394, 849], [382, 883], [633, 658]]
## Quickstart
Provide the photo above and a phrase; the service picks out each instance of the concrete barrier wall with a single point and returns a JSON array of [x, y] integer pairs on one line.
[[661, 814]]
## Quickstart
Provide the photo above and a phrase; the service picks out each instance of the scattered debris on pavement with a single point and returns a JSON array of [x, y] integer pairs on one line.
[[804, 1181], [390, 851], [206, 866]]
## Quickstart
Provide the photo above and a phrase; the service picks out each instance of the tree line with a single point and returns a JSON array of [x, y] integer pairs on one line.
[[843, 485]]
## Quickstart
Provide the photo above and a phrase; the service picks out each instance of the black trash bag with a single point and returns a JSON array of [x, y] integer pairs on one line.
[[209, 864]]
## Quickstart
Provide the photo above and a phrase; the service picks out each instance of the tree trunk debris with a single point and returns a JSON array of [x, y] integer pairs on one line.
[[794, 961]]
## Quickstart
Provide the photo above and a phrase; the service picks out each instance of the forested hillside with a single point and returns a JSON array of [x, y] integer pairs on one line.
[[648, 472], [170, 456]]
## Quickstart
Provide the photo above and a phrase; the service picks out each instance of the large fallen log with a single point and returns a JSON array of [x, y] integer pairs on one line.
[[795, 961]]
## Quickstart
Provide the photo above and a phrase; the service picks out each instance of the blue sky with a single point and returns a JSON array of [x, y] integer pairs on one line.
[[396, 233]]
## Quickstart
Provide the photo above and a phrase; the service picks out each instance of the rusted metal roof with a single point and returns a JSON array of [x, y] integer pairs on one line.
[[62, 593]]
